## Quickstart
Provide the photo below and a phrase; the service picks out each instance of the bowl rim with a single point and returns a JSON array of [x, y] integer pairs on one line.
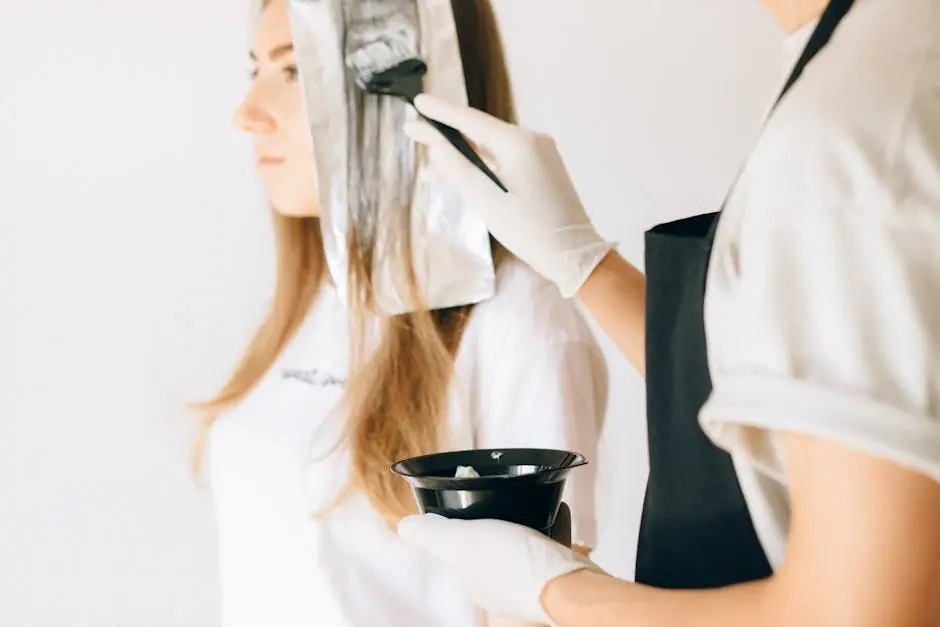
[[397, 467]]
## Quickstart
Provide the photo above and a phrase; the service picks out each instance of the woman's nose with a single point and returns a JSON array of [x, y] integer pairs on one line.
[[252, 118]]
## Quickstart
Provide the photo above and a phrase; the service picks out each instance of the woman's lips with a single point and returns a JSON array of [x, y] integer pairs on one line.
[[266, 161]]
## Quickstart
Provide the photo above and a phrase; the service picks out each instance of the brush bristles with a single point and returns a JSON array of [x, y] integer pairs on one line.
[[378, 56], [380, 34]]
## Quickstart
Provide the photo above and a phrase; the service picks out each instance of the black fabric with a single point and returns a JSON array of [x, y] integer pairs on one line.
[[696, 530]]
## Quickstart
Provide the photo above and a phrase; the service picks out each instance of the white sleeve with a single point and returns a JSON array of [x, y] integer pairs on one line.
[[825, 316], [554, 396]]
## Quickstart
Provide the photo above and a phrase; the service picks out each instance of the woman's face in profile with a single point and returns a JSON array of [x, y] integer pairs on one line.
[[273, 112]]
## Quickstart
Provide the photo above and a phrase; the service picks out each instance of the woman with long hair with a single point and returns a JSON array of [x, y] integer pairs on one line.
[[329, 394]]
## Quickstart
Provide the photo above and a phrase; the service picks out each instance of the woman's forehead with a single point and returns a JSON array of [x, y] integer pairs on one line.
[[273, 28]]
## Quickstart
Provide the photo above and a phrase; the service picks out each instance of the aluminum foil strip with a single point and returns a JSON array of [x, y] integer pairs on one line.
[[372, 182]]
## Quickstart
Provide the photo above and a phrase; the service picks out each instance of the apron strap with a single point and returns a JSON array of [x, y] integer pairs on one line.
[[831, 17], [828, 22]]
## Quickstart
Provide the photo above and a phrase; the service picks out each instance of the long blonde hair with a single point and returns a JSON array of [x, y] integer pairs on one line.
[[396, 398]]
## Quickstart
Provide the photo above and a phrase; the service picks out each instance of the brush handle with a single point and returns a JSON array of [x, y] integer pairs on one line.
[[460, 142]]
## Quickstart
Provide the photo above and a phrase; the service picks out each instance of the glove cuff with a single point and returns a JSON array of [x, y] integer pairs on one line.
[[581, 259]]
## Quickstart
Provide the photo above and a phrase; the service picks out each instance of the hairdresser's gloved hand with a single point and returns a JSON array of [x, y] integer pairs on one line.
[[541, 219], [504, 567]]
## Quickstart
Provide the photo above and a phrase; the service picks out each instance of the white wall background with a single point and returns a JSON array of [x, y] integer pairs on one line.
[[134, 259]]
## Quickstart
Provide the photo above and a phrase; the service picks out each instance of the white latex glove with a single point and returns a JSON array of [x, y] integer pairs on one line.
[[502, 566], [541, 219]]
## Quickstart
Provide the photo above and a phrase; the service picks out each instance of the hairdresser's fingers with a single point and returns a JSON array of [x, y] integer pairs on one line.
[[454, 166], [422, 132], [482, 194], [431, 175], [476, 187], [478, 126]]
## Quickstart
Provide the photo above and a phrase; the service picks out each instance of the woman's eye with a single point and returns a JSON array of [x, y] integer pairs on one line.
[[291, 72], [253, 74]]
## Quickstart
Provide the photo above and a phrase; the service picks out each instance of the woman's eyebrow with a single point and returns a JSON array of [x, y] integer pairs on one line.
[[275, 53]]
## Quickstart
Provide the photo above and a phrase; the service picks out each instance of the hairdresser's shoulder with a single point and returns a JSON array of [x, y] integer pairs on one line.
[[860, 127], [879, 72]]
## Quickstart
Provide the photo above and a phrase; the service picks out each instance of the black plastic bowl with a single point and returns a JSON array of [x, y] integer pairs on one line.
[[518, 485]]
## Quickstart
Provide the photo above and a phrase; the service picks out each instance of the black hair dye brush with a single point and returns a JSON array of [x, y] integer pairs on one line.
[[382, 52]]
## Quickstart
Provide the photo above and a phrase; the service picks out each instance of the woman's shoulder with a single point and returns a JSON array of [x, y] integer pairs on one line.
[[527, 310]]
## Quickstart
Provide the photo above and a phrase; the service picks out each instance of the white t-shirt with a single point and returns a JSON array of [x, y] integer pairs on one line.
[[822, 306], [528, 373]]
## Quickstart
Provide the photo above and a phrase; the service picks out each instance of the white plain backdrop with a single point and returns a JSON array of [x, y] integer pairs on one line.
[[135, 260]]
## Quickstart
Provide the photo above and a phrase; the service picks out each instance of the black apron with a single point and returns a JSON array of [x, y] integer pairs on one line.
[[696, 531]]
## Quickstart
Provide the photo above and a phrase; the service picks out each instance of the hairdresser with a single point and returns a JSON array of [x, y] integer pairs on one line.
[[795, 463]]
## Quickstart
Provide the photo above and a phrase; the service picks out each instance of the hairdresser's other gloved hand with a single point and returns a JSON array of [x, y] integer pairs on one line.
[[502, 566], [541, 219]]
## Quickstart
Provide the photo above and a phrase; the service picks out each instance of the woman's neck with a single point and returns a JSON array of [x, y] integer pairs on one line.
[[794, 14]]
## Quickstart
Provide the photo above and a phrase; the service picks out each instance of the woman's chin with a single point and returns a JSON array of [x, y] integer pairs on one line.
[[289, 210]]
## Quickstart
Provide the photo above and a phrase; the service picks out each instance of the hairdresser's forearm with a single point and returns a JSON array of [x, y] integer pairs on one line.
[[586, 599], [615, 294]]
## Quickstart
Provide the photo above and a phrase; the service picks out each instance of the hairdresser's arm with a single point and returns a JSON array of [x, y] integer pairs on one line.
[[615, 294], [541, 220], [863, 551], [498, 621]]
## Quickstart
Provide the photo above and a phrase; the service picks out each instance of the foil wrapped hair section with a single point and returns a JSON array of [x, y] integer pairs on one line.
[[379, 212]]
